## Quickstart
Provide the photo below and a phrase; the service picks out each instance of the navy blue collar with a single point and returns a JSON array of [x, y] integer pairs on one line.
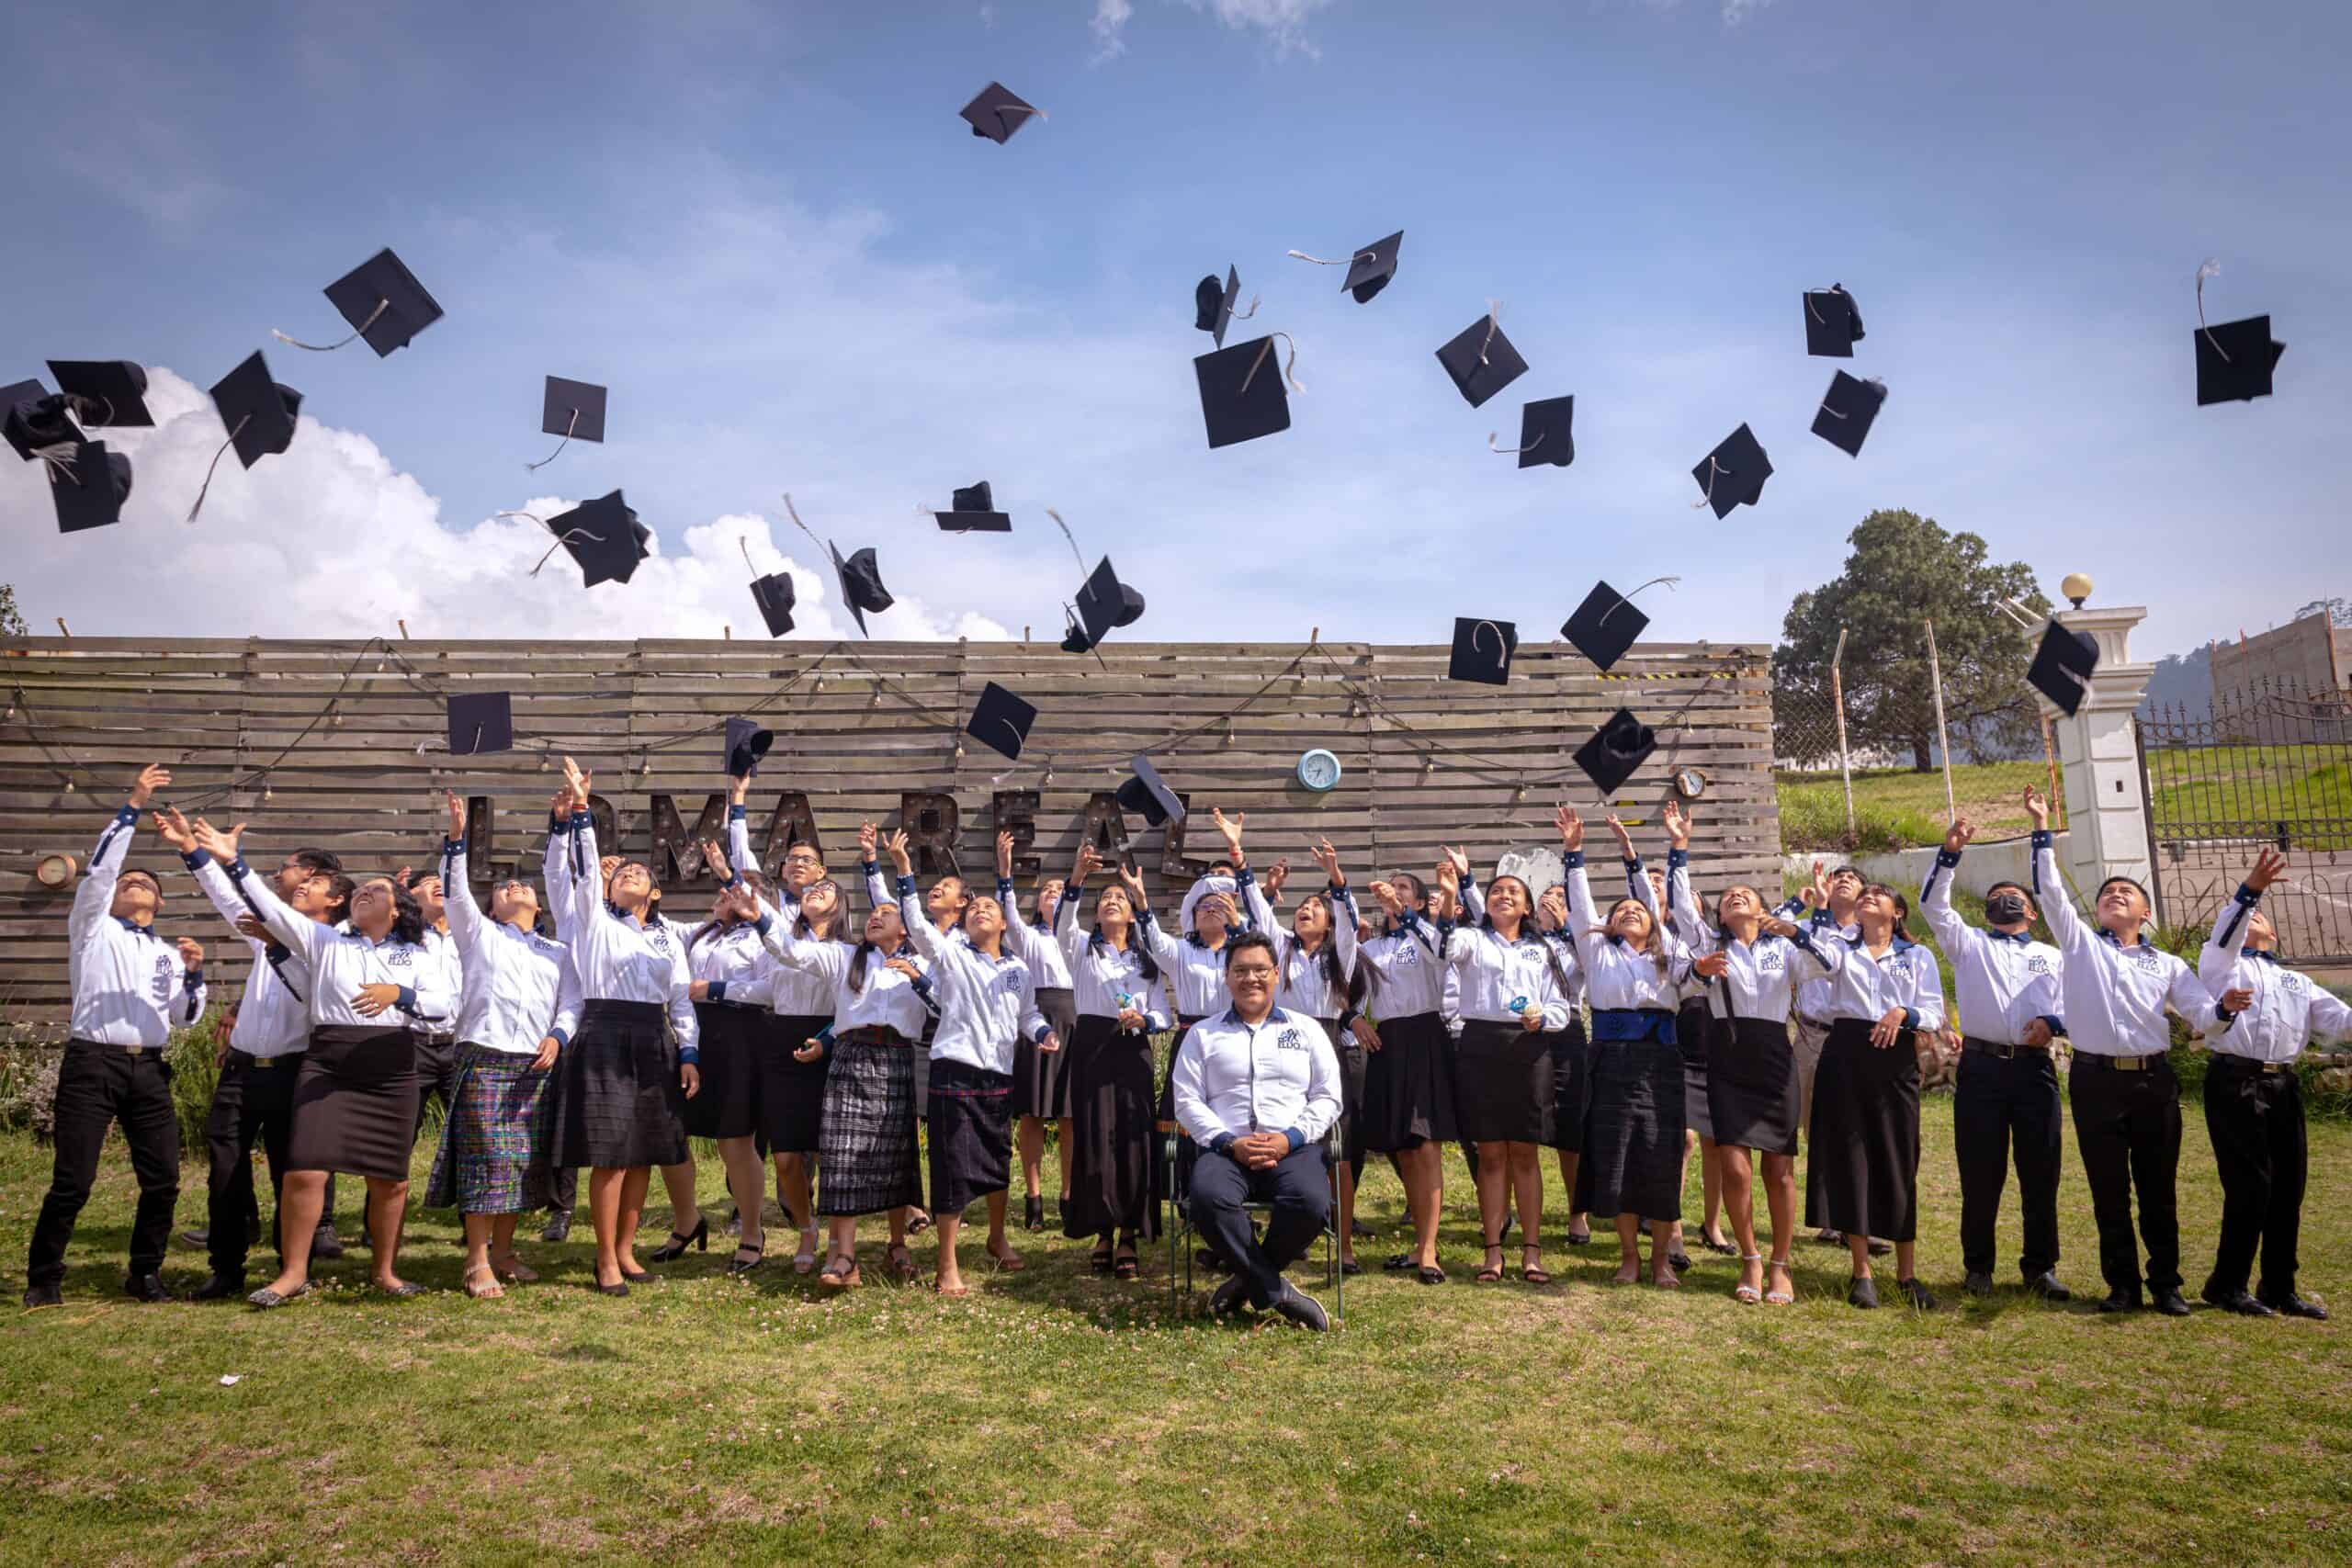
[[130, 925], [2262, 952], [1233, 1016], [2020, 938], [2117, 942]]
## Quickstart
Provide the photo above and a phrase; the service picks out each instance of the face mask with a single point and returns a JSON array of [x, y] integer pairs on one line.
[[2005, 908]]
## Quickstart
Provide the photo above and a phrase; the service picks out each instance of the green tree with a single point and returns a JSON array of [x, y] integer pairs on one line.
[[11, 623], [1904, 571]]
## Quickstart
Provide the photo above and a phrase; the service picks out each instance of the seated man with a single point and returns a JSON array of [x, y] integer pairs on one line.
[[1256, 1087]]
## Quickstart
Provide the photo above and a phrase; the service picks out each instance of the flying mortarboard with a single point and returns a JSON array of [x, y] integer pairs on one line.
[[34, 417], [1607, 624], [13, 394], [1620, 745], [1146, 795], [1243, 394], [1546, 434], [1000, 721], [384, 303], [1733, 474], [259, 414], [746, 744], [480, 722], [1369, 269], [998, 112], [605, 536], [1213, 306], [974, 512], [1103, 604], [1481, 360], [2233, 360], [861, 580], [773, 594], [1833, 322], [574, 410], [1847, 412], [2061, 666], [88, 487], [104, 393], [1482, 650]]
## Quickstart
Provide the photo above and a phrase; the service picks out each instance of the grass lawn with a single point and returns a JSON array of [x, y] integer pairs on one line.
[[2252, 789], [1056, 1417], [1896, 808]]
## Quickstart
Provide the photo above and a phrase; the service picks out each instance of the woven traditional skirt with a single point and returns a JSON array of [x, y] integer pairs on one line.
[[1408, 1085], [1752, 1084], [494, 1137], [791, 1093], [1041, 1078], [1503, 1077], [866, 1160], [355, 1103], [1693, 1028], [1862, 1164], [1632, 1125], [618, 1104], [1114, 1158], [1571, 1085], [970, 1117], [727, 1104]]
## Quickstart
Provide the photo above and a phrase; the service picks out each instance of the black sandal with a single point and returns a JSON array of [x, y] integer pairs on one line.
[[741, 1265], [1433, 1275], [675, 1247], [1101, 1259], [1125, 1267], [1490, 1274], [1398, 1262]]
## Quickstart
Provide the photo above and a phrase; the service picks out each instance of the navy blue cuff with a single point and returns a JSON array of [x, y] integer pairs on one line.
[[689, 1054], [2057, 1025], [906, 889], [2041, 839], [127, 813], [766, 923], [580, 819], [193, 977], [738, 813], [453, 846], [196, 860], [921, 983], [1298, 1139], [277, 953], [870, 868], [1677, 857], [1571, 859], [1221, 1143], [1004, 890], [556, 824], [1947, 858], [1042, 1030], [2222, 1015], [561, 1037], [715, 990], [237, 868], [408, 999], [825, 1037], [2247, 896], [1910, 1018]]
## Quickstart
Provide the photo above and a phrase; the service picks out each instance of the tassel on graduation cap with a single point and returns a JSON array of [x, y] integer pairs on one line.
[[206, 488], [574, 410], [379, 290], [1288, 366], [2234, 360], [373, 316]]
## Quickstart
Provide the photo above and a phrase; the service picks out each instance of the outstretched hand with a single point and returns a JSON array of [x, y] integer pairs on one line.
[[897, 845], [1003, 856], [1956, 837], [1090, 861], [221, 846], [1677, 822], [174, 829], [152, 777], [1571, 828], [456, 817], [1229, 828], [1329, 859], [2037, 806], [1624, 836], [2269, 867]]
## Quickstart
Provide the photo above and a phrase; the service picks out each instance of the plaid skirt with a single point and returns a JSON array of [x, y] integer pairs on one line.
[[867, 1160], [1634, 1126], [971, 1117], [494, 1136], [617, 1105]]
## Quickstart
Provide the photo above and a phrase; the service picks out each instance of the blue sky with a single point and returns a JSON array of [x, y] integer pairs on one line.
[[765, 227]]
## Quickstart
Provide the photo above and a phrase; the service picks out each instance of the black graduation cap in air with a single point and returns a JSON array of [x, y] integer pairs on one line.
[[11, 395], [1604, 626], [998, 112], [1481, 360], [1244, 394], [2063, 665], [746, 744], [1482, 650], [89, 487], [1833, 322], [574, 410], [33, 417], [605, 536], [1615, 750], [384, 302], [861, 580], [257, 412], [773, 594], [2235, 361], [1000, 721], [974, 512], [1213, 305], [1371, 268], [1733, 472], [1847, 412], [1546, 433], [1103, 604], [104, 393], [480, 722], [1145, 795]]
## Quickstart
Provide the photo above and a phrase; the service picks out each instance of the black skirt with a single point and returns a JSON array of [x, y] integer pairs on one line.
[[618, 1102], [1752, 1084], [1634, 1127], [1041, 1078], [1693, 1028], [1352, 1084], [1862, 1171], [1571, 1085], [727, 1104], [791, 1093], [1114, 1158], [866, 1160], [1503, 1073], [971, 1117], [355, 1103], [1409, 1085]]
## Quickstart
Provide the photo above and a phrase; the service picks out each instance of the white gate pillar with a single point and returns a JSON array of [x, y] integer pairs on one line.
[[2107, 810]]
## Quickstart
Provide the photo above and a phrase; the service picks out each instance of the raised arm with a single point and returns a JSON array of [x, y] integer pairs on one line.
[[739, 823], [2230, 922], [1166, 949], [1953, 933], [296, 931], [877, 893], [2074, 933], [467, 921], [1584, 926], [1342, 905], [805, 955], [95, 898]]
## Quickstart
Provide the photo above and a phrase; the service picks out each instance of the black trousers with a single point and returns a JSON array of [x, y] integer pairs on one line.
[[2002, 1102], [564, 1189], [2256, 1120], [2127, 1124], [1299, 1189], [97, 1087], [252, 1103]]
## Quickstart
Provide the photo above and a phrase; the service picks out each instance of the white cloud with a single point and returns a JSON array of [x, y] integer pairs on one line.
[[1109, 27], [1738, 11], [1283, 23], [328, 539]]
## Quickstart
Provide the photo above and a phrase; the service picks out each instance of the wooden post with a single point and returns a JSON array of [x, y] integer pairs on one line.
[[1936, 676], [1838, 701]]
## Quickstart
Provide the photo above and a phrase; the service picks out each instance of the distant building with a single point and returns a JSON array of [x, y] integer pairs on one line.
[[2310, 653]]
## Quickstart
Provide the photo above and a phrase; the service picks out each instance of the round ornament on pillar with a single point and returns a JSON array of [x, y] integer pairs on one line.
[[2077, 588]]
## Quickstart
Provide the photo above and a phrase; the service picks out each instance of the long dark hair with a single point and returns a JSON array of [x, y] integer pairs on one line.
[[800, 926], [408, 920], [1327, 955], [1902, 905], [1097, 942]]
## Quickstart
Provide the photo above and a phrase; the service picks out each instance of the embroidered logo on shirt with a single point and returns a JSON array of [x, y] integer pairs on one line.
[[1770, 958], [1288, 1039], [401, 957], [2037, 965], [2149, 964]]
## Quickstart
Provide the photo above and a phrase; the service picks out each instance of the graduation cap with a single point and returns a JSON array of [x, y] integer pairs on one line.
[[259, 414], [480, 722], [1833, 322], [861, 580], [11, 395], [1605, 625], [1620, 745], [104, 393], [1103, 604], [36, 418], [1243, 394], [384, 303], [773, 594], [1000, 721], [746, 744], [974, 512], [998, 112], [574, 410], [2061, 666], [1733, 473], [1546, 433], [605, 536], [1213, 306], [1481, 360], [2235, 361], [88, 487], [1847, 412], [1482, 650], [1145, 796], [1369, 269]]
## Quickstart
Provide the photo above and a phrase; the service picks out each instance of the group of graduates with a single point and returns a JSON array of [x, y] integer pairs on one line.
[[596, 1034]]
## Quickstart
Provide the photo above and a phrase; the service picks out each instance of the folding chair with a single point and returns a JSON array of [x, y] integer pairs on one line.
[[1181, 1232]]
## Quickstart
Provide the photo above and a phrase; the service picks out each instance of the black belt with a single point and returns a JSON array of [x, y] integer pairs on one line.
[[126, 1050], [2098, 1063], [871, 1034], [1996, 1048], [2248, 1065], [264, 1064]]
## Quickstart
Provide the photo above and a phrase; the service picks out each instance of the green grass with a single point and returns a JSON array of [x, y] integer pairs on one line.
[[2255, 787], [1058, 1417], [1895, 809]]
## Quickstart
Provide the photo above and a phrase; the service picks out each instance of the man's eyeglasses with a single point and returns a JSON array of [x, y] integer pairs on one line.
[[1251, 972]]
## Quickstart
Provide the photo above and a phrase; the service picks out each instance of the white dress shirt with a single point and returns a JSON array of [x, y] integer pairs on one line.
[[1035, 948], [1306, 983], [1231, 1078], [441, 950], [1869, 986], [730, 961], [1193, 971], [518, 987], [1494, 974], [2115, 996], [887, 1001], [2000, 983], [340, 961], [1103, 979], [1761, 978], [986, 1005], [791, 993], [274, 1018], [1618, 978], [129, 986], [2287, 1009], [1407, 977], [616, 959]]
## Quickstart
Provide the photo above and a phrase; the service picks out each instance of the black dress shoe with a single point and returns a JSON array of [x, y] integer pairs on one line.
[[1302, 1309], [1978, 1283], [558, 1226], [1033, 1213], [146, 1288], [43, 1296], [325, 1246], [2293, 1305], [1861, 1293], [1350, 1266], [2172, 1303], [219, 1288], [2123, 1298], [2046, 1285], [1678, 1260], [1227, 1299], [1921, 1300], [2238, 1302], [1398, 1262]]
